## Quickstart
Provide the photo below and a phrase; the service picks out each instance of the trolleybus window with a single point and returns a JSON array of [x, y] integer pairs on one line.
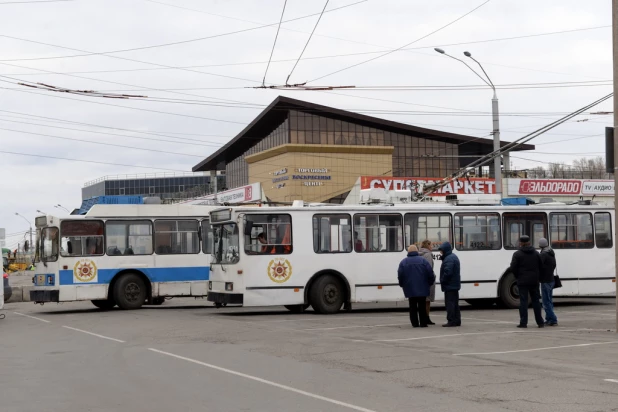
[[603, 230], [433, 227], [207, 239], [176, 237], [268, 234], [128, 237], [333, 234], [49, 244], [378, 233], [515, 225], [571, 231], [81, 238], [477, 231], [225, 244]]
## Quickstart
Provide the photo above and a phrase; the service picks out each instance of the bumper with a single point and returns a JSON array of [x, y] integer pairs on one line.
[[232, 298], [45, 295]]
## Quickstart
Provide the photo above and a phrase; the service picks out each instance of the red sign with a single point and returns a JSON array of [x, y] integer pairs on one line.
[[460, 186], [248, 192], [550, 187]]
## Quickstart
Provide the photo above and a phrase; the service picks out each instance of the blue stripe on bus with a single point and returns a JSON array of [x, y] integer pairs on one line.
[[176, 274]]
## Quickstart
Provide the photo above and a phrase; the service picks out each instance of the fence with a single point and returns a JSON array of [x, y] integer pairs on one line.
[[558, 174]]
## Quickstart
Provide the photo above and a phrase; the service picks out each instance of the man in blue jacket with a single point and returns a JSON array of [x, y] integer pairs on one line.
[[415, 277], [450, 283]]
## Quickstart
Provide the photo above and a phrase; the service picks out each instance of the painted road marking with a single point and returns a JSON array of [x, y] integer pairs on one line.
[[32, 317], [611, 380], [94, 334], [360, 326], [536, 349], [264, 381], [468, 334]]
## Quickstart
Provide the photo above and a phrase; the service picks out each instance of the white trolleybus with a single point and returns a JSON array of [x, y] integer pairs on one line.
[[329, 257], [125, 255]]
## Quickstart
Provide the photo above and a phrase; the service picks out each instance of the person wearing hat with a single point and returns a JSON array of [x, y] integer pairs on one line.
[[450, 283], [415, 277], [527, 266], [548, 257]]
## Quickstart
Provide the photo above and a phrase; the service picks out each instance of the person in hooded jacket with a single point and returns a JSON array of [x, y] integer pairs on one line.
[[527, 266], [548, 258], [450, 283], [425, 252], [415, 277]]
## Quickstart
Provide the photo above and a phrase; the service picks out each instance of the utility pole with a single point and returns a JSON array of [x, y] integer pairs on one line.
[[615, 66], [496, 133]]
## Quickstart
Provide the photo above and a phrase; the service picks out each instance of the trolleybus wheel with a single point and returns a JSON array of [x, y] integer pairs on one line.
[[130, 292], [509, 292], [105, 304], [327, 294], [296, 308]]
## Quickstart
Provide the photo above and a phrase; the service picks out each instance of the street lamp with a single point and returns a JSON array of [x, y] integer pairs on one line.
[[494, 112], [41, 212], [30, 224], [59, 206]]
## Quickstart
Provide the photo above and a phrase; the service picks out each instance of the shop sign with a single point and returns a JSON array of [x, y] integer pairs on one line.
[[249, 193], [560, 187], [310, 177], [281, 172], [459, 186], [281, 179], [310, 170]]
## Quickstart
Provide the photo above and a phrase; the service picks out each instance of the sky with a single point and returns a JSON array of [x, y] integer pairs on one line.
[[199, 61]]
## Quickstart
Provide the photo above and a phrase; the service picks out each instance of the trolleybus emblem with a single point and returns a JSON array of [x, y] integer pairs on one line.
[[279, 270], [85, 270]]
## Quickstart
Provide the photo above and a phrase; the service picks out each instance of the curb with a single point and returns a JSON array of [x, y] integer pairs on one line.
[[19, 294]]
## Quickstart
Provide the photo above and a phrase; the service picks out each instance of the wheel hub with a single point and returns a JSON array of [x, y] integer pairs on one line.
[[331, 294], [132, 292]]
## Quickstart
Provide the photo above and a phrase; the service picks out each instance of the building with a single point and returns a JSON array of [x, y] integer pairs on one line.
[[166, 186], [301, 150]]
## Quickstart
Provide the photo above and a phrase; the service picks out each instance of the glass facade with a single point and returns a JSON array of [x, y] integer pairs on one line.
[[163, 187], [413, 156], [237, 171]]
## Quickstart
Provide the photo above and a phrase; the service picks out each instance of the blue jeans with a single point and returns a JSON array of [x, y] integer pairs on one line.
[[547, 292]]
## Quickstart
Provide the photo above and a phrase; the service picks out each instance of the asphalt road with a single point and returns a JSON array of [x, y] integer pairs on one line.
[[188, 356]]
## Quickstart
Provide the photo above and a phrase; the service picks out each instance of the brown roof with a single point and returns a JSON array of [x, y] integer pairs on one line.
[[273, 115]]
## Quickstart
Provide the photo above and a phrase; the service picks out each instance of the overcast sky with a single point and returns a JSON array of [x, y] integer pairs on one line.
[[212, 106]]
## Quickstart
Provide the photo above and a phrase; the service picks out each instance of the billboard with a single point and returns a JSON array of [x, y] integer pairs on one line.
[[249, 193], [459, 186]]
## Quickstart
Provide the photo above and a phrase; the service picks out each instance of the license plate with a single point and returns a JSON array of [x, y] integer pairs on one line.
[[40, 280]]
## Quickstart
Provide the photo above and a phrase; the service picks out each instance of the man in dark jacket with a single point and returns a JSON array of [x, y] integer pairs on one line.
[[526, 266], [548, 258], [415, 277], [450, 283]]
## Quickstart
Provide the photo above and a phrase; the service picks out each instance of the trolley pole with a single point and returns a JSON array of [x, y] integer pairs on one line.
[[615, 71]]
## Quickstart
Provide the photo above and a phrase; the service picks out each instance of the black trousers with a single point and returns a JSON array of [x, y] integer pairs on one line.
[[451, 300], [418, 311], [535, 295]]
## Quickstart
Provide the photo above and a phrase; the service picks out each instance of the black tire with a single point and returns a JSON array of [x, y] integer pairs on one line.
[[481, 303], [106, 304], [327, 294], [509, 292], [130, 292], [296, 308], [157, 301]]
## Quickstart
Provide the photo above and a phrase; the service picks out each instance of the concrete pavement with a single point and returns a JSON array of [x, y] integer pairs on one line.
[[188, 355]]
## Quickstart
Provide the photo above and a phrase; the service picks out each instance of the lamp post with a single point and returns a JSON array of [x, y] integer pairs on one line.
[[41, 212], [59, 206], [494, 112], [30, 224]]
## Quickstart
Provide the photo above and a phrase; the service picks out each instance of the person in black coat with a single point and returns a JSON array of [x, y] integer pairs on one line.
[[527, 266], [415, 278], [450, 283], [548, 258]]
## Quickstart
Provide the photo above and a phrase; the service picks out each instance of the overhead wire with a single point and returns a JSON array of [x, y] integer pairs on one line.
[[405, 45], [306, 44], [108, 53], [274, 42]]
